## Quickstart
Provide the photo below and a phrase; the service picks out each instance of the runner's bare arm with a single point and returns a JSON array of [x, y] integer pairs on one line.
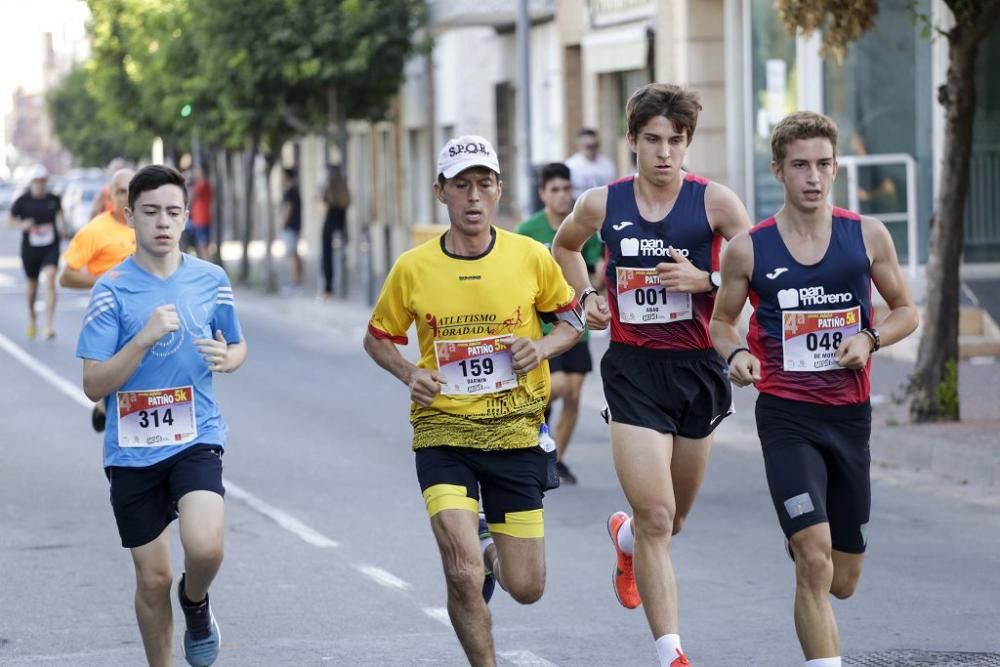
[[585, 221], [424, 384], [527, 354], [728, 218], [76, 278], [102, 378], [737, 267], [726, 213], [887, 276]]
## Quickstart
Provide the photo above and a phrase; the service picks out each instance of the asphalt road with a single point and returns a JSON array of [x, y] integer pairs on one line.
[[330, 560]]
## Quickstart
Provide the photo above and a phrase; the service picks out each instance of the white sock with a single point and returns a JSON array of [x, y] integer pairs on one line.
[[484, 545], [667, 648], [625, 540], [824, 662]]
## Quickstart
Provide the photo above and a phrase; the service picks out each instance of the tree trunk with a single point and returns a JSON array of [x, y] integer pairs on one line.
[[271, 286], [248, 206], [935, 379]]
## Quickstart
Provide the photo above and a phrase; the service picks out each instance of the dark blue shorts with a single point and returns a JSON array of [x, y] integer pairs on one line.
[[818, 466], [574, 360], [145, 499]]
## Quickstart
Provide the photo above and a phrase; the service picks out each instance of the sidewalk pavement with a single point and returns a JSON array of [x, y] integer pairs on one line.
[[965, 454]]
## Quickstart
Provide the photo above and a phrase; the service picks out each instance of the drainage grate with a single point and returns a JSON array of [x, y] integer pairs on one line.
[[914, 658]]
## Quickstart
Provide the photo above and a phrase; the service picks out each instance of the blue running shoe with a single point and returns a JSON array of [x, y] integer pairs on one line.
[[490, 582], [201, 636]]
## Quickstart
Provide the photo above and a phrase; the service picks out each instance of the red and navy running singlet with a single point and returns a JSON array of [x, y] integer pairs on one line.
[[803, 313], [643, 313]]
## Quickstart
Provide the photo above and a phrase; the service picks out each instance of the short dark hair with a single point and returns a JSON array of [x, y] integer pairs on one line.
[[586, 132], [801, 125], [678, 105], [291, 173], [552, 171], [152, 177]]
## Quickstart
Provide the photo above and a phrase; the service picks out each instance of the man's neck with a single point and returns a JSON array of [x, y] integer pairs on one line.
[[463, 245], [553, 218], [805, 223], [656, 194], [160, 266]]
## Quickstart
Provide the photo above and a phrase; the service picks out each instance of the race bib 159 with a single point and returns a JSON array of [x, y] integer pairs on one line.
[[481, 366]]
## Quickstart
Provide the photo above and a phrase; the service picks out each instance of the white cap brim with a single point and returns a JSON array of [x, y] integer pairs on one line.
[[456, 169]]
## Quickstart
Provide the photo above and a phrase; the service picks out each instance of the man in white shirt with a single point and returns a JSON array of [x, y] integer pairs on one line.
[[587, 167]]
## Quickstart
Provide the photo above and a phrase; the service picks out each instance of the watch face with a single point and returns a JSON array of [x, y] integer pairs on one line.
[[716, 278]]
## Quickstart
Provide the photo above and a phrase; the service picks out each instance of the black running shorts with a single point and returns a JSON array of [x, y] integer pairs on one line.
[[818, 466], [33, 259], [145, 499], [684, 392], [574, 360], [511, 480]]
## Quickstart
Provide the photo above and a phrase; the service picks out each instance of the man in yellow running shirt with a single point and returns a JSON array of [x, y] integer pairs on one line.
[[103, 243], [478, 296]]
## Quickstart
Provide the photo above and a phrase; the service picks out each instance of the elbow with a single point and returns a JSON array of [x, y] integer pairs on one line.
[[91, 391], [64, 280]]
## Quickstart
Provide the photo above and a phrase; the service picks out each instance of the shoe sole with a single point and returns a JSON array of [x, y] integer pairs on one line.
[[218, 635]]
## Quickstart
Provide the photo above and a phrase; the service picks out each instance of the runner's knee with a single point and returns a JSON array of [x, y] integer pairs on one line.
[[654, 522], [464, 578], [527, 591], [814, 568], [152, 583]]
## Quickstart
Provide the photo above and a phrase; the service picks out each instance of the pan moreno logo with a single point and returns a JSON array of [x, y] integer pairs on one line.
[[811, 296]]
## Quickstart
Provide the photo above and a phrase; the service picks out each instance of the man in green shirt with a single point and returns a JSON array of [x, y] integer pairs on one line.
[[568, 369]]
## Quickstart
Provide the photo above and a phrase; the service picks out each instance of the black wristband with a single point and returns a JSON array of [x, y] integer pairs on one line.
[[872, 333], [729, 361]]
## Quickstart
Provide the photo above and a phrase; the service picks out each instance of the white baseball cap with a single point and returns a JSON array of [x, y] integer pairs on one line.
[[38, 172], [467, 151]]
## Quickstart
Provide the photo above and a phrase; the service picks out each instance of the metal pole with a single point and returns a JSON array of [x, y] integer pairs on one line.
[[911, 216], [524, 107]]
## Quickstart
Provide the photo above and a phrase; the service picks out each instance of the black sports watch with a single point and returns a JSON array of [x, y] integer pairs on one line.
[[584, 294], [715, 278], [872, 333]]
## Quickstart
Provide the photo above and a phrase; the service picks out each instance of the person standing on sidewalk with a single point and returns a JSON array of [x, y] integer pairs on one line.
[[808, 271], [478, 295], [291, 231], [157, 327], [337, 198], [103, 243], [665, 385], [569, 369], [588, 168]]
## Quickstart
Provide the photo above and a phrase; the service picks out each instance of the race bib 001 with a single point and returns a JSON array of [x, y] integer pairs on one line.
[[156, 417], [810, 339], [41, 235], [481, 366], [643, 300]]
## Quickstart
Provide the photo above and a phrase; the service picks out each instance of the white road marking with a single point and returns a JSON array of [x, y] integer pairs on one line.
[[59, 382], [382, 577], [280, 517], [439, 614], [524, 659], [283, 519]]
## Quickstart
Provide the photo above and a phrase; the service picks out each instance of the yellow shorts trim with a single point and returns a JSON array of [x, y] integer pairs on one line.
[[529, 523], [448, 497]]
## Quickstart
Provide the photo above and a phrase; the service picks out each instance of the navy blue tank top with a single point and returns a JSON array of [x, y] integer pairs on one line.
[[634, 243], [803, 313]]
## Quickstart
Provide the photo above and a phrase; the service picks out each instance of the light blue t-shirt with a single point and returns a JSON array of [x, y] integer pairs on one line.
[[167, 405]]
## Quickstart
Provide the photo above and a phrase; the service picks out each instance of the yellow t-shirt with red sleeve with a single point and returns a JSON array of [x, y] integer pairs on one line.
[[99, 245], [463, 308]]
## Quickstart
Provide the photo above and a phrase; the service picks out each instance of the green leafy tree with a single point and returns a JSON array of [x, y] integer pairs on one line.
[[842, 22], [83, 128]]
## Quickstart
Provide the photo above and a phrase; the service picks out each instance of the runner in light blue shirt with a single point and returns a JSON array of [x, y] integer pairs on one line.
[[158, 326]]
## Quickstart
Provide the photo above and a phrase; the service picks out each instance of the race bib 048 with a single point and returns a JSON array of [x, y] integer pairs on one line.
[[810, 339], [481, 366], [643, 300], [156, 417]]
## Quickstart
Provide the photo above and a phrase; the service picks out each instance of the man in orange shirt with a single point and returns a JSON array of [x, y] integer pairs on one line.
[[101, 244]]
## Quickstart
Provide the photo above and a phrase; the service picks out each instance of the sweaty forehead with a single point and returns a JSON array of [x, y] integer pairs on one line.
[[815, 148], [163, 196], [662, 126]]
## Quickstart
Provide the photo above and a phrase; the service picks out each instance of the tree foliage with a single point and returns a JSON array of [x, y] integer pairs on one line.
[[83, 128], [842, 21]]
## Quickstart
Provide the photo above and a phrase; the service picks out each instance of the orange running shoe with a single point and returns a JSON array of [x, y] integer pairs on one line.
[[622, 578], [681, 660]]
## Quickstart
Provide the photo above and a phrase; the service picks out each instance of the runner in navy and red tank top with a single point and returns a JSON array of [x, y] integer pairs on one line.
[[665, 385], [803, 313], [808, 272], [632, 242]]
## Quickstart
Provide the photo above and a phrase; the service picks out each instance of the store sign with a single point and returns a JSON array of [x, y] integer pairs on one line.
[[609, 12]]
